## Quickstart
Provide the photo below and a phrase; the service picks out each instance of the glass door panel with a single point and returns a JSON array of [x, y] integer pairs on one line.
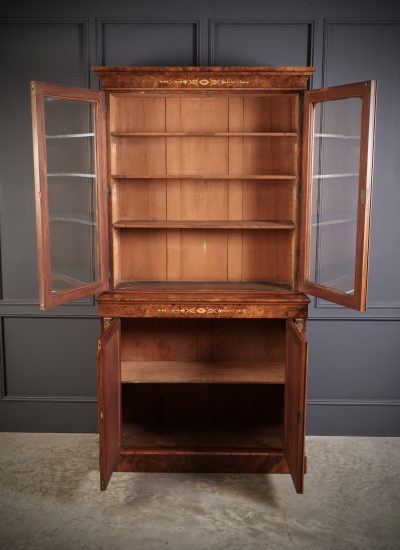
[[337, 178], [71, 199]]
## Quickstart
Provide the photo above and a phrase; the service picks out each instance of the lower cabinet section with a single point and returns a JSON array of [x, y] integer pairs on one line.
[[202, 395]]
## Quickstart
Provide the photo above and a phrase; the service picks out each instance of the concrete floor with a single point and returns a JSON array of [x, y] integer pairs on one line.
[[50, 499]]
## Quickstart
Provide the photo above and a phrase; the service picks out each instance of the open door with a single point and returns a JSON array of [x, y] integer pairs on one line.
[[109, 384], [339, 125], [70, 184], [295, 401]]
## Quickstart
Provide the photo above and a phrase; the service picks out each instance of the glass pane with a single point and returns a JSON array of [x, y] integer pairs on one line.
[[72, 192], [335, 181]]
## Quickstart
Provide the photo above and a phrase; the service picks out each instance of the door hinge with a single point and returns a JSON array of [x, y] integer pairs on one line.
[[363, 196], [300, 418], [105, 107]]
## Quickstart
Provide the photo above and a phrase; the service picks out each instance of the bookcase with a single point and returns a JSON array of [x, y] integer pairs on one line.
[[203, 203]]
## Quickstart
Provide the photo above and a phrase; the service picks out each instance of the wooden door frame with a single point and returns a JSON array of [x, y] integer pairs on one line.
[[40, 90], [367, 92]]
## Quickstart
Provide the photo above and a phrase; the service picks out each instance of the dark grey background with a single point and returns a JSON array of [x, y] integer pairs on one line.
[[48, 360]]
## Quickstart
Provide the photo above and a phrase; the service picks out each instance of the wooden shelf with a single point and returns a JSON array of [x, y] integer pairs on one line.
[[204, 372], [71, 218], [200, 286], [203, 134], [205, 435], [334, 222], [133, 224], [330, 176], [68, 136], [205, 177], [337, 136]]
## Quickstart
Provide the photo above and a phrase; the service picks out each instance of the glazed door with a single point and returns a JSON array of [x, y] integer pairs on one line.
[[337, 178], [70, 185], [295, 401], [109, 387]]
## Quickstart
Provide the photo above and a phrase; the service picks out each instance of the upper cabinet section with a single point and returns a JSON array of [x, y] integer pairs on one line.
[[70, 183], [337, 178], [204, 78]]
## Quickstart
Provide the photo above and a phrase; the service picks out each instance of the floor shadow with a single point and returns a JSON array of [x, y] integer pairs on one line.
[[256, 488]]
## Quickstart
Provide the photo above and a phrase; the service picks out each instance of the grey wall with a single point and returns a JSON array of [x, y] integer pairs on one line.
[[48, 363]]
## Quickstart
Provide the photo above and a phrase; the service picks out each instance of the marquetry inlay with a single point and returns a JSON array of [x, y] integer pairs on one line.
[[209, 82], [199, 310]]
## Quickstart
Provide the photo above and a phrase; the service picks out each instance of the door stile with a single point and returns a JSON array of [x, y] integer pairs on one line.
[[109, 391], [295, 401]]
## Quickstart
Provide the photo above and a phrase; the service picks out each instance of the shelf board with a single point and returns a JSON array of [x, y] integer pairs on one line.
[[65, 136], [205, 177], [133, 224], [334, 222], [337, 136], [65, 282], [204, 134], [201, 435], [70, 175], [200, 286], [204, 372], [330, 176], [72, 219]]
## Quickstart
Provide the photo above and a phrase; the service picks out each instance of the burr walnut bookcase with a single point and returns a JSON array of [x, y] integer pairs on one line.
[[203, 202]]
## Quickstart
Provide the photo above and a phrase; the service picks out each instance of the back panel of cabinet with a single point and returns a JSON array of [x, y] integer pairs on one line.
[[204, 188]]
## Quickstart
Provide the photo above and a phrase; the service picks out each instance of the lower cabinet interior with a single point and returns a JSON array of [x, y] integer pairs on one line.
[[202, 384]]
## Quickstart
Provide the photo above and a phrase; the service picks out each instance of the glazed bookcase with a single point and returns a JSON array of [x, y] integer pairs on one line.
[[202, 203]]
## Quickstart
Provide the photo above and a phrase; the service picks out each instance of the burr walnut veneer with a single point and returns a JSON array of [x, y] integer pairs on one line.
[[201, 203]]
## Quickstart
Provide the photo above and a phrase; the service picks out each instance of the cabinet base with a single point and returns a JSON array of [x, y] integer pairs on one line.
[[176, 461]]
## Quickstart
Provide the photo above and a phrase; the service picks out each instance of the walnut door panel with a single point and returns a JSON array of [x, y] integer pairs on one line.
[[295, 401], [109, 387]]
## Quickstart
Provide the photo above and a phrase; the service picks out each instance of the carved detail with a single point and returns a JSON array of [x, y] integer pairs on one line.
[[202, 82], [299, 324], [107, 322], [199, 310]]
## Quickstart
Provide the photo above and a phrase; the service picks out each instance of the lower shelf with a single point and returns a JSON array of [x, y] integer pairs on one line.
[[202, 437], [233, 372], [193, 461]]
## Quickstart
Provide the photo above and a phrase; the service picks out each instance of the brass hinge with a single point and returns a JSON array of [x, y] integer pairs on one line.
[[363, 196], [300, 418]]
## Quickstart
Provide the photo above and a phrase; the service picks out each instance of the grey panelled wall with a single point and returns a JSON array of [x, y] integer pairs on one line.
[[48, 364]]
